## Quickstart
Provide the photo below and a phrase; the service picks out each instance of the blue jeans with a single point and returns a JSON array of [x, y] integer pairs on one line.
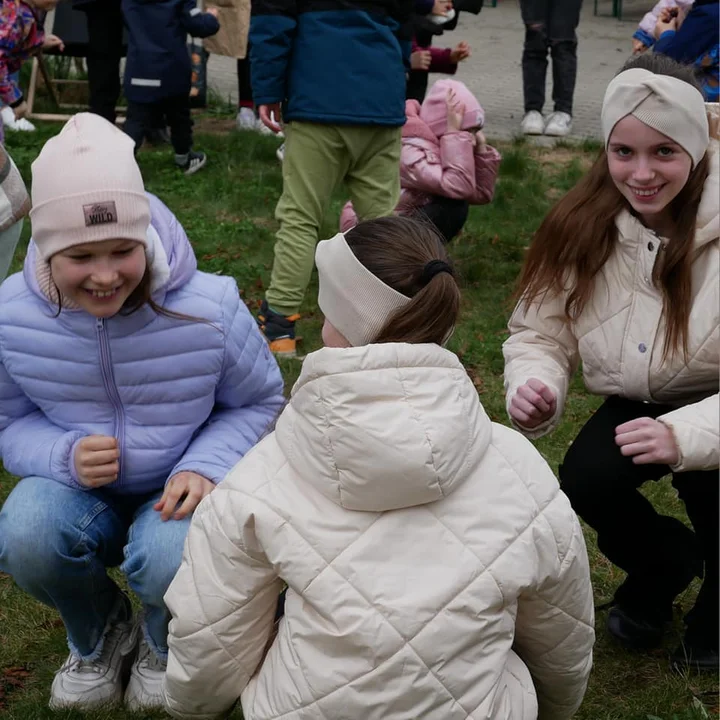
[[57, 543]]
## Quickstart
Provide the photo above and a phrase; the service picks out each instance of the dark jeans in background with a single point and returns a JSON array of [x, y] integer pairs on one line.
[[105, 48], [660, 554], [245, 93], [141, 117], [448, 215], [550, 26]]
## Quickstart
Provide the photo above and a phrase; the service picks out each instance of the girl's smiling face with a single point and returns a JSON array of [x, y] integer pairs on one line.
[[648, 168], [99, 276]]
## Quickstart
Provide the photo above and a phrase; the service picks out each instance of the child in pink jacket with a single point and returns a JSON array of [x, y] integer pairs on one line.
[[445, 164]]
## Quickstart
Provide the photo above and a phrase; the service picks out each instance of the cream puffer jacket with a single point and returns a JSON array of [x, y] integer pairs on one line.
[[434, 568], [620, 334]]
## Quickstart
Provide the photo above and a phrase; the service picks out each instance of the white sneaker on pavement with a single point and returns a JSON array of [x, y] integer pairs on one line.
[[559, 124], [533, 123], [9, 121], [246, 119], [145, 689], [92, 683]]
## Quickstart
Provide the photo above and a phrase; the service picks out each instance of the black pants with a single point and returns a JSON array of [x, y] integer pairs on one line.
[[550, 25], [660, 554], [245, 94], [105, 33], [446, 214], [175, 110], [416, 86]]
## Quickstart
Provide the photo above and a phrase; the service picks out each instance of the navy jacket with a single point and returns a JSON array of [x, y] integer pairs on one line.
[[158, 61], [339, 62]]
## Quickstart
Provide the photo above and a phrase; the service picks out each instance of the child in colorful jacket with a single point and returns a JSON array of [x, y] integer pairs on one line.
[[644, 37], [446, 164], [22, 35], [130, 384]]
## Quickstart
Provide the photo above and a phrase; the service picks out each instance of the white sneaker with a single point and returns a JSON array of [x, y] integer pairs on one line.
[[280, 153], [559, 124], [533, 123], [145, 689], [92, 683], [246, 119], [9, 121]]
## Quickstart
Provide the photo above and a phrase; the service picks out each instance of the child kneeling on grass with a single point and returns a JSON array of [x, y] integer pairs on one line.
[[445, 163], [434, 569], [130, 383]]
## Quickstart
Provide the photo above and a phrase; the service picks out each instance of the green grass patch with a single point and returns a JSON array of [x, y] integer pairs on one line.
[[227, 210]]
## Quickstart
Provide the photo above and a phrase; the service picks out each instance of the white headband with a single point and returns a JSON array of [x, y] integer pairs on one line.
[[666, 104], [356, 302]]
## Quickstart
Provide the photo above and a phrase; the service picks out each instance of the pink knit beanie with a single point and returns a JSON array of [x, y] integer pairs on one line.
[[87, 187], [434, 109]]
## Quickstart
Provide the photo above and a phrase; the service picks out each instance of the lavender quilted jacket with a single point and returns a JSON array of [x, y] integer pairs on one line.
[[177, 395]]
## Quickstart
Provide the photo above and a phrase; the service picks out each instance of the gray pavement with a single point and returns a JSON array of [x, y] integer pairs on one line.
[[493, 72]]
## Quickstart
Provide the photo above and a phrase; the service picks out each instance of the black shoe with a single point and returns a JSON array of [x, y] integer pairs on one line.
[[633, 632], [158, 136], [192, 162], [279, 331], [694, 658]]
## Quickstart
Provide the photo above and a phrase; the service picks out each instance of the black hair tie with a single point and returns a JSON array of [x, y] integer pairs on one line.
[[433, 268]]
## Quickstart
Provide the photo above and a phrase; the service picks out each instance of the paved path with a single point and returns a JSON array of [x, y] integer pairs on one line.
[[493, 72]]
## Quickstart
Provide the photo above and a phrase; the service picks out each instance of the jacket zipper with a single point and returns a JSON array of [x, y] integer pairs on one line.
[[111, 389]]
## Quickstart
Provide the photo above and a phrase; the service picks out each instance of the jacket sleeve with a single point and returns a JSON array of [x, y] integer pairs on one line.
[[647, 24], [452, 177], [29, 443], [196, 22], [441, 62], [272, 35], [694, 37], [554, 628], [696, 428], [223, 602], [248, 397], [487, 164], [541, 345]]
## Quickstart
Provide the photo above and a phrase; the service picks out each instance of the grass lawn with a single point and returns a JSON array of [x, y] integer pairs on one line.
[[227, 211]]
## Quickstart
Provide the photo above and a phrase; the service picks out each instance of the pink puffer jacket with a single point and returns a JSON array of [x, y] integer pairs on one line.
[[450, 166]]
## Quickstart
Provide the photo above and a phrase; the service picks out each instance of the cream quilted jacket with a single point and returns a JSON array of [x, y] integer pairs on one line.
[[620, 334], [435, 571]]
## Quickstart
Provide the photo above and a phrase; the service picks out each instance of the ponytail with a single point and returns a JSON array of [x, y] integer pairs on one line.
[[409, 256]]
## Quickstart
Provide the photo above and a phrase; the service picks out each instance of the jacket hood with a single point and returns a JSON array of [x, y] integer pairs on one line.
[[415, 126], [171, 269], [382, 427]]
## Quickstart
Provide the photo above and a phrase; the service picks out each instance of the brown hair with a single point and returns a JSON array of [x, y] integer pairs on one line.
[[578, 235], [397, 250]]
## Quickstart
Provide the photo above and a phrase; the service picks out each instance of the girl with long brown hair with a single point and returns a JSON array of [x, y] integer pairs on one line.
[[623, 276], [433, 567]]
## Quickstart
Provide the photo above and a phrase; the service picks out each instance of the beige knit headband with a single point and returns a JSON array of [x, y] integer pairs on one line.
[[356, 302], [666, 104]]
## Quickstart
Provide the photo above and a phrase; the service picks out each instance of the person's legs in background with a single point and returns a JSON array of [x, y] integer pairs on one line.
[[105, 31], [446, 214], [534, 63], [177, 112], [316, 160], [564, 19], [7, 116]]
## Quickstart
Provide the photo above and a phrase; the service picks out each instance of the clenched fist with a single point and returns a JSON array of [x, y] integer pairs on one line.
[[97, 460]]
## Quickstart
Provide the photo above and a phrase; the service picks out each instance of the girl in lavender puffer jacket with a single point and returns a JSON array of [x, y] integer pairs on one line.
[[445, 164], [130, 384]]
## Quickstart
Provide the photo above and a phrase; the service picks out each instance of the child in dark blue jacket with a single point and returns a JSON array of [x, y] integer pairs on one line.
[[157, 73]]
